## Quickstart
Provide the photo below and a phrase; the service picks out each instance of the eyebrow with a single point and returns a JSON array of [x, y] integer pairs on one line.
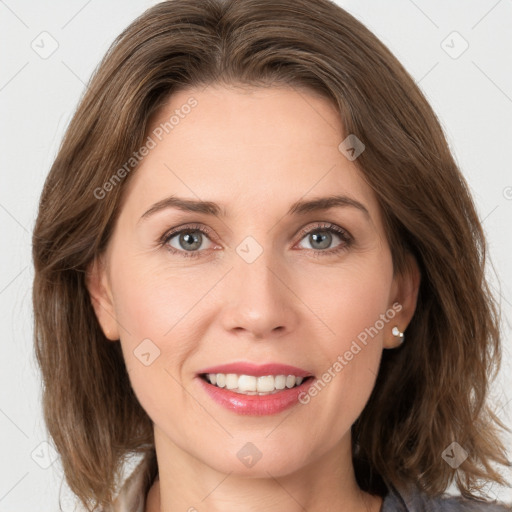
[[301, 207]]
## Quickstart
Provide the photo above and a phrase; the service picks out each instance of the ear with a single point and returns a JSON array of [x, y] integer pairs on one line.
[[98, 285], [404, 296]]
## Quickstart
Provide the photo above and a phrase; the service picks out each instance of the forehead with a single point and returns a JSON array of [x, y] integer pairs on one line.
[[242, 146]]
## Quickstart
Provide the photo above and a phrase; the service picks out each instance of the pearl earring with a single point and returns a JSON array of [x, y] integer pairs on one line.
[[396, 332]]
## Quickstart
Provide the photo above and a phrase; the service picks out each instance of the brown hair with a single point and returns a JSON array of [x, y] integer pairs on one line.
[[430, 392]]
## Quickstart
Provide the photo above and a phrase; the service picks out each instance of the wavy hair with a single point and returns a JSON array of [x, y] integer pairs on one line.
[[431, 391]]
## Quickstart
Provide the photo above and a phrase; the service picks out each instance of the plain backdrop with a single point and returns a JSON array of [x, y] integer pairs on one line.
[[457, 51]]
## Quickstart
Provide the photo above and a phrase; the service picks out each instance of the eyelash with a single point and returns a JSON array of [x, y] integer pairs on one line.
[[332, 228]]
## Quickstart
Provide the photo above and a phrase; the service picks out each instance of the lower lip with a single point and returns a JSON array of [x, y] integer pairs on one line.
[[256, 405]]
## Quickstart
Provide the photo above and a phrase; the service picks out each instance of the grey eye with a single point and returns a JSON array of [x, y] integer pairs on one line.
[[187, 240]]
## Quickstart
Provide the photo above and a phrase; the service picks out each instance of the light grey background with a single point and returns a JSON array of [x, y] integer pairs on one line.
[[470, 92]]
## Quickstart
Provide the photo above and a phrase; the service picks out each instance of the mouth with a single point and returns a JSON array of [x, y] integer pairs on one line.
[[262, 385], [245, 387]]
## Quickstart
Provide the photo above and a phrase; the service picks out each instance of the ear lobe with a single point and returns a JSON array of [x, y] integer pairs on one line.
[[405, 293], [98, 286]]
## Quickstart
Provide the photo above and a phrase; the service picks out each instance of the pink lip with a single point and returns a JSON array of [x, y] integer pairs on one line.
[[256, 370], [255, 405]]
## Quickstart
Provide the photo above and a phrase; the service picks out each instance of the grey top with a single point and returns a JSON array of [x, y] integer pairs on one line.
[[132, 498], [412, 500]]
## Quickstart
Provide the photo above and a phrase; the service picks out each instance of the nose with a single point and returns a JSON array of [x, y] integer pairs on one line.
[[260, 302]]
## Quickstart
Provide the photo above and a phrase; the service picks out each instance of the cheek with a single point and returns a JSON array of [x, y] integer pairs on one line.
[[151, 300], [350, 298], [354, 307], [152, 309], [161, 309]]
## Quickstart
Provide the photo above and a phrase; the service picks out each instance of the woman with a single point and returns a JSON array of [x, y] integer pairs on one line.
[[258, 266]]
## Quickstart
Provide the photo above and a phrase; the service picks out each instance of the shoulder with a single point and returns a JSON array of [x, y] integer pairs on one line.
[[411, 499], [133, 494]]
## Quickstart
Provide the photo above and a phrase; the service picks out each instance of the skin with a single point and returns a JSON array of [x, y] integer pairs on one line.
[[293, 304]]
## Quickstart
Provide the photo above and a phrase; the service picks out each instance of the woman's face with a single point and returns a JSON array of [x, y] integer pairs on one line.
[[260, 278]]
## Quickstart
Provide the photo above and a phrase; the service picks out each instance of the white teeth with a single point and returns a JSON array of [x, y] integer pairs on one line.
[[266, 384], [221, 379], [290, 381], [280, 382], [231, 381], [251, 385], [247, 383]]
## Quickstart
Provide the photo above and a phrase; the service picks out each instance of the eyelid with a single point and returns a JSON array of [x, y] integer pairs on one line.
[[342, 233], [328, 226], [186, 227]]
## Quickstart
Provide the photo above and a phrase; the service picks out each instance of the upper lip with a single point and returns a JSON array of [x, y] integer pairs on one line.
[[257, 370]]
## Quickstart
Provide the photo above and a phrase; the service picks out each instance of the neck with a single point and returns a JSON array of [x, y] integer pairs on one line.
[[188, 484]]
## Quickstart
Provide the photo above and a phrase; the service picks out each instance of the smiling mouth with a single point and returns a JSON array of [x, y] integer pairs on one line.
[[252, 385]]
